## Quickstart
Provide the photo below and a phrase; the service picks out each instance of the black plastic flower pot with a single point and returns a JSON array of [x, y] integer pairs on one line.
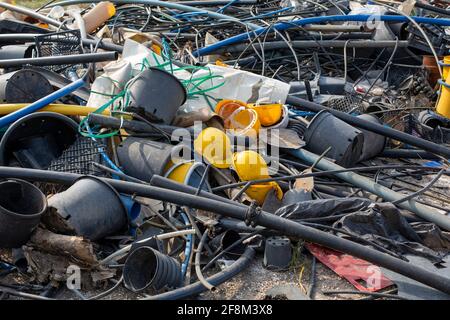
[[142, 158], [277, 253], [326, 130], [373, 143], [224, 240], [145, 267], [21, 207], [157, 95], [24, 86], [90, 208], [37, 139]]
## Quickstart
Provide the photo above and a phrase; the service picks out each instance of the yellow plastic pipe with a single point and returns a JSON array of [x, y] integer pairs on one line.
[[65, 109]]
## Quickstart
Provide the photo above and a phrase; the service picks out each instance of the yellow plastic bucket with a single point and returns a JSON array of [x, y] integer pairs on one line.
[[189, 173], [244, 122], [250, 165], [259, 192], [443, 105], [445, 64], [268, 114], [215, 147], [225, 108]]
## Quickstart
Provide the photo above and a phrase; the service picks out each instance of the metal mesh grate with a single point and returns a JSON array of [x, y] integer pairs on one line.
[[79, 158], [345, 104], [59, 44]]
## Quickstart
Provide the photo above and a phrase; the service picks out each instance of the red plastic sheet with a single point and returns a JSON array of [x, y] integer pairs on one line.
[[363, 275]]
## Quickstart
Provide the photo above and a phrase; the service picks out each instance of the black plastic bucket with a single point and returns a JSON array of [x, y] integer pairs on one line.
[[326, 130], [224, 240], [156, 94], [373, 143], [21, 207], [37, 139], [146, 267], [89, 208], [142, 158]]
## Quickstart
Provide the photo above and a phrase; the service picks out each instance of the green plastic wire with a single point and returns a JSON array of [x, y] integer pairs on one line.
[[82, 128], [192, 86]]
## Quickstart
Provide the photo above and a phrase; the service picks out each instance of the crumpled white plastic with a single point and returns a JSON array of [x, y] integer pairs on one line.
[[231, 83]]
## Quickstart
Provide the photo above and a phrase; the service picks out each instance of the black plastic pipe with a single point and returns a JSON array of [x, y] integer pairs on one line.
[[407, 153], [132, 125], [196, 288], [161, 182], [303, 44], [30, 37], [61, 60], [217, 2], [432, 8], [373, 127], [268, 220]]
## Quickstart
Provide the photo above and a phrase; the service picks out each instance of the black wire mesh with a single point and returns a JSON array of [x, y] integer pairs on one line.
[[59, 44], [79, 158]]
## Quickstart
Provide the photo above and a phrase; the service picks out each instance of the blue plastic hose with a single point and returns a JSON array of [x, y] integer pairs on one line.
[[315, 20], [227, 5], [269, 14], [188, 248], [41, 103]]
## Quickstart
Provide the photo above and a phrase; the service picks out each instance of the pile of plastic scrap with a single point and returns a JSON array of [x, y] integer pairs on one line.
[[163, 149]]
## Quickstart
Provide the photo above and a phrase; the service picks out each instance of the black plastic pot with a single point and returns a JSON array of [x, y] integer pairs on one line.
[[21, 207], [148, 239], [24, 86], [277, 253], [142, 158], [224, 240], [157, 95], [145, 267], [373, 143], [37, 139], [326, 130], [89, 208]]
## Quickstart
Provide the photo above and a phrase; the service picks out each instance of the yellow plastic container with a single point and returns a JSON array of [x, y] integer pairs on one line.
[[268, 114], [189, 173], [179, 172], [226, 107], [249, 165], [443, 105], [259, 192], [96, 17], [445, 67], [244, 122], [215, 147]]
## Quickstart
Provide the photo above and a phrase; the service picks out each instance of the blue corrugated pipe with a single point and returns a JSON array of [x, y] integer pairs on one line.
[[314, 20], [41, 103]]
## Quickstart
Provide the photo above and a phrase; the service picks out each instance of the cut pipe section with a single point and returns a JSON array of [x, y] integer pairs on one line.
[[61, 60]]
